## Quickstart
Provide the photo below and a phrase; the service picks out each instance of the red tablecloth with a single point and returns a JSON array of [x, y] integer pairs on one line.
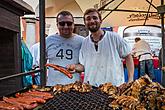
[[155, 62]]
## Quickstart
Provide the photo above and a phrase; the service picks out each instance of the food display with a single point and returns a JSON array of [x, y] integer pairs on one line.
[[25, 101], [77, 86], [141, 94]]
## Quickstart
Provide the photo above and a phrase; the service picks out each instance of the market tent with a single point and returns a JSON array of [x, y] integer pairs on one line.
[[125, 12], [122, 12], [114, 12]]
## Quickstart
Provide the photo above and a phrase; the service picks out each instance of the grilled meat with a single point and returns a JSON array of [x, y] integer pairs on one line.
[[41, 89], [8, 106], [109, 89], [57, 88], [20, 104], [126, 102], [43, 95], [62, 70], [77, 86], [25, 96]]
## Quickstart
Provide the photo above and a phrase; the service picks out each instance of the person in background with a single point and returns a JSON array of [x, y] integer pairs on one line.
[[160, 60], [35, 51], [27, 62], [142, 50], [101, 54], [63, 49]]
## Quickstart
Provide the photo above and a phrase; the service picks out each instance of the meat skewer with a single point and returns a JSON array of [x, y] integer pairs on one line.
[[61, 69]]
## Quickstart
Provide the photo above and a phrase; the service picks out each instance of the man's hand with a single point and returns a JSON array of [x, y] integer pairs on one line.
[[71, 68], [163, 68], [130, 79], [75, 68]]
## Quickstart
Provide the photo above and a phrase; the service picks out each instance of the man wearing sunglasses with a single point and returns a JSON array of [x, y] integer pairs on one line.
[[63, 49]]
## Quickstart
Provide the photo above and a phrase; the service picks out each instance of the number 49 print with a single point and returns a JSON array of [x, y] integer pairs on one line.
[[68, 54]]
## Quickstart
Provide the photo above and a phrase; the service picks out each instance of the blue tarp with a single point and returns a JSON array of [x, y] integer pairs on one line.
[[157, 73]]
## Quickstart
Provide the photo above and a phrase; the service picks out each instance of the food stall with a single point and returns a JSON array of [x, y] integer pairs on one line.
[[10, 44], [140, 94]]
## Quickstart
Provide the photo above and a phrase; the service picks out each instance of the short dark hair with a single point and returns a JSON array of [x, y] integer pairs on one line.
[[92, 10], [64, 13], [137, 39]]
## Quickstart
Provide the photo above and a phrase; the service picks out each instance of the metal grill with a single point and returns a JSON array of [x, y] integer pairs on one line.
[[73, 100]]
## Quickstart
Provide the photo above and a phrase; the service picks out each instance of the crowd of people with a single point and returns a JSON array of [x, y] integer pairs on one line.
[[99, 56]]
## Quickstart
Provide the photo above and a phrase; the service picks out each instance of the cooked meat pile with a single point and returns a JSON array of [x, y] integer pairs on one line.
[[77, 86], [141, 94], [24, 101]]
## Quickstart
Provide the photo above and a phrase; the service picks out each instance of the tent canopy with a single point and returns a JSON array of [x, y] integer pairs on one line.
[[125, 12]]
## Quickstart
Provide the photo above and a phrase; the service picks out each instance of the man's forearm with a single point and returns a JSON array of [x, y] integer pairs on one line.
[[130, 67]]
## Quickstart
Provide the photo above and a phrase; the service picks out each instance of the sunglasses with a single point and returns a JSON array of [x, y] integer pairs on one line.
[[63, 23]]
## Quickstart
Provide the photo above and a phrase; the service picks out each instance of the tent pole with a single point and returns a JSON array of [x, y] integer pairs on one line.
[[151, 4], [113, 9], [163, 46], [42, 42], [147, 13], [101, 8]]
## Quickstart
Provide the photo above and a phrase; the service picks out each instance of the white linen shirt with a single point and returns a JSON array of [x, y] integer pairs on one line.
[[104, 65]]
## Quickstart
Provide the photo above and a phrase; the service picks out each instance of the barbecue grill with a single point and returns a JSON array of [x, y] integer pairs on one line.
[[142, 94], [73, 100]]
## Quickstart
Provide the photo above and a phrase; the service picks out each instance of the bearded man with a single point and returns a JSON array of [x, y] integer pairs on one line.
[[101, 54]]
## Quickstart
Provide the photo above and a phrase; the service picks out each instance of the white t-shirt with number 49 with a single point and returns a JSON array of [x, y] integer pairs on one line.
[[62, 51]]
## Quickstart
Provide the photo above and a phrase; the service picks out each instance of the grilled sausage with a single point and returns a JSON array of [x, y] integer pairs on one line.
[[20, 104], [62, 70], [8, 106]]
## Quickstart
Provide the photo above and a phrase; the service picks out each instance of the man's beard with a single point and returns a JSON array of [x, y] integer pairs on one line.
[[94, 29]]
